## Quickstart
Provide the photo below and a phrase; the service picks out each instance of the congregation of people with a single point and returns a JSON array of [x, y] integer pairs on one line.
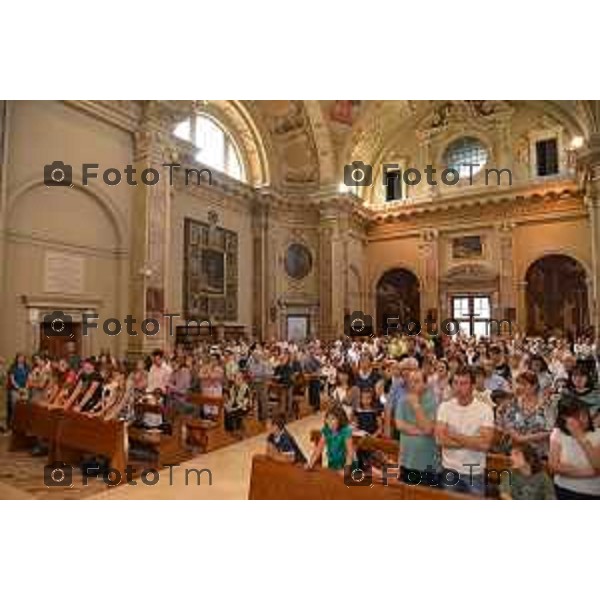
[[448, 401]]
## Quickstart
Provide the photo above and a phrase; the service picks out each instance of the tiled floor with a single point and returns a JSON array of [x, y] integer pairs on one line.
[[21, 475]]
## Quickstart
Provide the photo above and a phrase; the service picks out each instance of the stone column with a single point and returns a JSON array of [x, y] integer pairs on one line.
[[506, 285], [428, 252], [589, 162], [334, 232], [4, 135], [260, 234], [150, 230], [521, 288], [327, 234]]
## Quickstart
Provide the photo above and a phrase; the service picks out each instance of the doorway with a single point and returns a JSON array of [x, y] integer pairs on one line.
[[472, 314], [298, 327], [60, 346]]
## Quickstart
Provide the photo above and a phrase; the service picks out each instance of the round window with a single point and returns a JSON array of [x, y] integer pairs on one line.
[[464, 154]]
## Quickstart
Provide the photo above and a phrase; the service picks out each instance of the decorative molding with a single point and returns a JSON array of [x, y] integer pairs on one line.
[[124, 114]]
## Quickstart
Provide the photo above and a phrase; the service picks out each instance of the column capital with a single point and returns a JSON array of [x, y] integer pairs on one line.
[[588, 157]]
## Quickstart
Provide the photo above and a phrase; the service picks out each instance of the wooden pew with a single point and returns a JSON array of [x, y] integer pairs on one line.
[[251, 425], [277, 398], [80, 433], [32, 420], [273, 480], [302, 407], [208, 434], [496, 464], [168, 448]]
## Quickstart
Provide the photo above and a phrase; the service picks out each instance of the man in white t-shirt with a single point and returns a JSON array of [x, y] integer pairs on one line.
[[464, 430], [160, 373]]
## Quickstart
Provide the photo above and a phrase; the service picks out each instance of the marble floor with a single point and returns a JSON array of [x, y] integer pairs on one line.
[[21, 475], [229, 467]]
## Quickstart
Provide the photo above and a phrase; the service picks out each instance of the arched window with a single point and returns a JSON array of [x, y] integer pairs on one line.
[[216, 147], [463, 152]]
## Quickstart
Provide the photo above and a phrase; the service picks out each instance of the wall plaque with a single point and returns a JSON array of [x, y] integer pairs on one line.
[[64, 273]]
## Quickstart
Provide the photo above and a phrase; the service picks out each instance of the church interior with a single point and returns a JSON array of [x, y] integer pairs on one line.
[[169, 226]]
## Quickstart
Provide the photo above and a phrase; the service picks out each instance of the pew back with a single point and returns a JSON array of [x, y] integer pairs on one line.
[[273, 480]]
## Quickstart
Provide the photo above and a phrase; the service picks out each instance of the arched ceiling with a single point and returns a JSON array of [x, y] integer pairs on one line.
[[300, 145], [379, 122]]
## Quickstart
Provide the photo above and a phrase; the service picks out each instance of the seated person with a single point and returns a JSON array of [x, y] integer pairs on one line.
[[281, 444], [237, 404], [527, 479], [152, 419]]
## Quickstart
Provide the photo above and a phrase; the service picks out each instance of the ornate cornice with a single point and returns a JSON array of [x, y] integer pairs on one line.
[[480, 197], [560, 204]]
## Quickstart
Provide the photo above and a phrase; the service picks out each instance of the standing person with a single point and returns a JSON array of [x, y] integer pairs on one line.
[[574, 456], [260, 372], [231, 366], [284, 374], [367, 413], [525, 419], [527, 479], [440, 382], [415, 420], [501, 368], [400, 372], [336, 439], [4, 424], [344, 393], [329, 375], [582, 387], [237, 404], [312, 365], [159, 373], [137, 381], [481, 392], [18, 375], [38, 379], [539, 366], [366, 376], [180, 381], [464, 430]]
